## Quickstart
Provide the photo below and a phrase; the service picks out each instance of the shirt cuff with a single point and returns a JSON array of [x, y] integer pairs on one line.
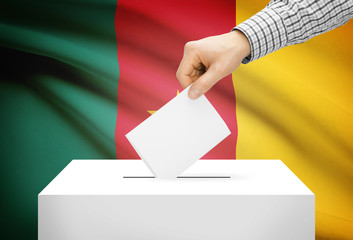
[[265, 31]]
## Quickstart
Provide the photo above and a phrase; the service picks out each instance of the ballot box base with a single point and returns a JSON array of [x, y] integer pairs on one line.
[[214, 199]]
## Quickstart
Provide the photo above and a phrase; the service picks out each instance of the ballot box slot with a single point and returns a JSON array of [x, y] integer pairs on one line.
[[179, 177]]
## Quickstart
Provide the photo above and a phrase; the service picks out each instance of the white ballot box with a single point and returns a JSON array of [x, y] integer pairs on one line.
[[212, 200]]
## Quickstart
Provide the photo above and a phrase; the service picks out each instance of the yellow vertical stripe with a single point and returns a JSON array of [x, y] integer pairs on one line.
[[296, 105]]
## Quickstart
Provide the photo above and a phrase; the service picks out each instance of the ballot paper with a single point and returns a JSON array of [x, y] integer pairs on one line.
[[178, 135]]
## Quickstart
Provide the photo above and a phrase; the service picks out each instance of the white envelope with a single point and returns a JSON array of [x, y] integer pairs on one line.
[[178, 135]]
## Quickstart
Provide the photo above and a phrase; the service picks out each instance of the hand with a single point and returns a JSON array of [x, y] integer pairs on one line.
[[208, 60]]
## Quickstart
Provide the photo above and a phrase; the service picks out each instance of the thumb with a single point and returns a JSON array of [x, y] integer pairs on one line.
[[203, 84]]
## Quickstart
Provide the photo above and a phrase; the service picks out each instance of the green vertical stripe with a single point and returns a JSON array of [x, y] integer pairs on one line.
[[58, 97]]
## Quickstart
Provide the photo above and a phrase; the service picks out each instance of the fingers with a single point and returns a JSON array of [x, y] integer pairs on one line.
[[193, 71], [184, 73], [186, 70], [204, 83]]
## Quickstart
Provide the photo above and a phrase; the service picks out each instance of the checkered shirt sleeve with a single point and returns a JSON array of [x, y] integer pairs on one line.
[[285, 22]]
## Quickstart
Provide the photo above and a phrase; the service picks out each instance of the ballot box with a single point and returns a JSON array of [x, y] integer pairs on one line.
[[213, 199]]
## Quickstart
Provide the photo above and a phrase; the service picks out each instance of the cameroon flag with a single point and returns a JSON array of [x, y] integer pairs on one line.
[[76, 76]]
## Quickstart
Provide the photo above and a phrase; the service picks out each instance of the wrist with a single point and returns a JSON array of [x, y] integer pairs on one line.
[[240, 43]]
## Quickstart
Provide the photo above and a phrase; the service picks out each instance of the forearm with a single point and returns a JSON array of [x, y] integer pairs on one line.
[[283, 23]]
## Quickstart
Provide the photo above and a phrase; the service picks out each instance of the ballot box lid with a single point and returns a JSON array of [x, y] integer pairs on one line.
[[205, 177]]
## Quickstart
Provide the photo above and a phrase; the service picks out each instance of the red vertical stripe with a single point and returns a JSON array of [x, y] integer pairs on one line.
[[151, 36]]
